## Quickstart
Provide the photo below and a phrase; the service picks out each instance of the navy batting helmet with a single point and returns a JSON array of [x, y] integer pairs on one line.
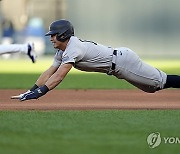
[[63, 28]]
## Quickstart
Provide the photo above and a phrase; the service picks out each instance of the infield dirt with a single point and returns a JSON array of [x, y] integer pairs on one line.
[[93, 99]]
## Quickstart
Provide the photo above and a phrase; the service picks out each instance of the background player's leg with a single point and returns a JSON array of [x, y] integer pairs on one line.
[[173, 81], [22, 48], [13, 48]]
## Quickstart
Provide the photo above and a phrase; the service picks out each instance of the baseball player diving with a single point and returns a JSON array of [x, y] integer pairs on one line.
[[89, 56]]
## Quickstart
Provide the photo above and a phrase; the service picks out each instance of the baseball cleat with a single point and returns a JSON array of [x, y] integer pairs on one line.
[[30, 53]]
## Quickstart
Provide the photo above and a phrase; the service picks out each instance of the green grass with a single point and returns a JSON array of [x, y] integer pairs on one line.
[[22, 74], [72, 81], [25, 66], [82, 132], [86, 132]]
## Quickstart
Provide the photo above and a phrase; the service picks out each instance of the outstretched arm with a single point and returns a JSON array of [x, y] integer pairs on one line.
[[58, 76], [44, 77], [51, 83], [40, 81]]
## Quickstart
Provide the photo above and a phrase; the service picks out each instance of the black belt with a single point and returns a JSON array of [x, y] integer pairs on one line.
[[113, 64]]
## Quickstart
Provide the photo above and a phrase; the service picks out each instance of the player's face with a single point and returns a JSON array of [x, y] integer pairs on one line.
[[56, 44]]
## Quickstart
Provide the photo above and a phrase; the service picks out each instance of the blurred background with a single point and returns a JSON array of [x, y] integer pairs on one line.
[[150, 28]]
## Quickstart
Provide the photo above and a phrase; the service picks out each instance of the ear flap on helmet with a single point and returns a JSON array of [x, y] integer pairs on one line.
[[63, 37]]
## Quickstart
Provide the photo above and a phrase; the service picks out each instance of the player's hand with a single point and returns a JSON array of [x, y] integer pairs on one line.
[[20, 95], [29, 95], [35, 94]]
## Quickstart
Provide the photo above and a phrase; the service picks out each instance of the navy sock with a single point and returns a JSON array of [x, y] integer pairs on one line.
[[173, 81]]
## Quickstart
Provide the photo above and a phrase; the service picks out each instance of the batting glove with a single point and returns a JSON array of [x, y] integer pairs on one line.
[[20, 95], [35, 94]]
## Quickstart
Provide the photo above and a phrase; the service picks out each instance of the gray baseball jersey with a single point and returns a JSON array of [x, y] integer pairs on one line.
[[90, 56]]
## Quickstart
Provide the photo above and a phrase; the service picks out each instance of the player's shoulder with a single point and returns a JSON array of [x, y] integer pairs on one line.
[[74, 39], [74, 42]]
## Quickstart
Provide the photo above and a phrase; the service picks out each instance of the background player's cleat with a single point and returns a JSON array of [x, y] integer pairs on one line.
[[30, 53]]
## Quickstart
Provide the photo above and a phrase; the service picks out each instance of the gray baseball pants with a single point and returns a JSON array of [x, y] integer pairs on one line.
[[132, 69]]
